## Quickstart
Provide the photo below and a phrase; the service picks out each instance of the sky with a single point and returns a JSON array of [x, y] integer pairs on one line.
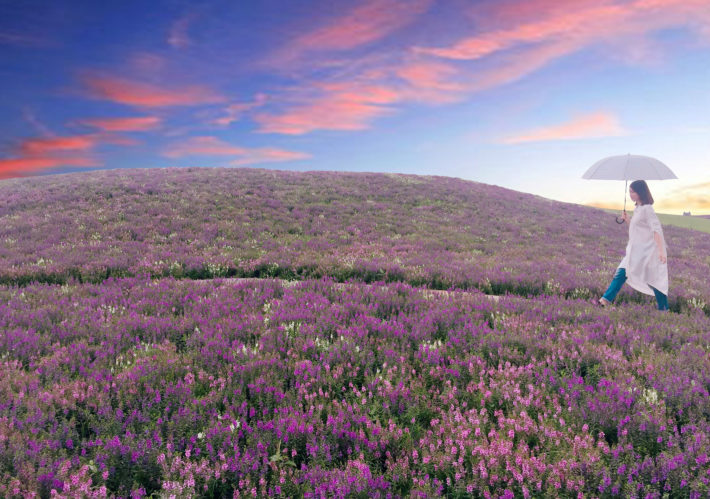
[[524, 94]]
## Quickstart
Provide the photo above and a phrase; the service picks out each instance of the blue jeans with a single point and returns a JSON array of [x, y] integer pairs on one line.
[[620, 279]]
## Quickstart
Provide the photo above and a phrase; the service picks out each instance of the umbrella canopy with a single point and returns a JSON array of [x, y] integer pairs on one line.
[[629, 167]]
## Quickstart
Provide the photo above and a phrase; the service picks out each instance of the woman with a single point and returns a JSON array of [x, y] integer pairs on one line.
[[644, 266]]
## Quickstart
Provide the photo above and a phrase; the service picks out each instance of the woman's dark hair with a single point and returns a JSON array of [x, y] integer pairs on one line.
[[640, 188]]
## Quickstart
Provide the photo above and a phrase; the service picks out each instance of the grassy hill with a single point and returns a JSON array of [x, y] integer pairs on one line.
[[701, 223], [201, 223]]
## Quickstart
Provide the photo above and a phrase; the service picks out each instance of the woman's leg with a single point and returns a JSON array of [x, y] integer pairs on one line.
[[616, 283], [661, 299]]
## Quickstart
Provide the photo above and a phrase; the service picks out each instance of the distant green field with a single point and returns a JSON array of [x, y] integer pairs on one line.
[[695, 223]]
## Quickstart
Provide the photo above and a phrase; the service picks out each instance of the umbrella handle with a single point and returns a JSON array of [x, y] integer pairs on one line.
[[619, 220]]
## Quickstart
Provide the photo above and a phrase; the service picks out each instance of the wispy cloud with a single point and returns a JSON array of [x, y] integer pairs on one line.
[[45, 146], [579, 25], [212, 146], [366, 23], [29, 116], [38, 154], [137, 124], [268, 155], [27, 166], [695, 197], [149, 65], [511, 67], [431, 81], [595, 125], [568, 25], [22, 40], [178, 37], [141, 94], [234, 112], [605, 205], [202, 146], [341, 106]]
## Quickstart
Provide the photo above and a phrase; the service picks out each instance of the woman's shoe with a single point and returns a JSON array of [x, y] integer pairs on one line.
[[604, 302]]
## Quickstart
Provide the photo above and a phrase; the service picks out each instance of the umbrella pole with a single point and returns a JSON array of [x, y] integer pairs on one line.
[[618, 220]]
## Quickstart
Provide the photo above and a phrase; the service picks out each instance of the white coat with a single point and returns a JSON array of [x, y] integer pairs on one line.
[[643, 267]]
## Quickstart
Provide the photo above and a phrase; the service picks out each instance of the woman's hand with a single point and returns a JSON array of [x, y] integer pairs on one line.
[[625, 217], [662, 257]]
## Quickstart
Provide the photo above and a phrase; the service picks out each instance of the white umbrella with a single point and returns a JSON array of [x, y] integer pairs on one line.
[[628, 167]]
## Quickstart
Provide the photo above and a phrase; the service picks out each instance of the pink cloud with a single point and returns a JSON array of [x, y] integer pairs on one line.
[[44, 146], [137, 124], [354, 104], [514, 66], [526, 38], [364, 24], [579, 23], [202, 146], [43, 153], [341, 106], [268, 155], [212, 146], [139, 94], [432, 82], [594, 125], [574, 25], [27, 166]]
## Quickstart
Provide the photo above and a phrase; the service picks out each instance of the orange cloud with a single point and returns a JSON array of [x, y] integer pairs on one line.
[[344, 106], [364, 24], [44, 146], [138, 94], [25, 166], [584, 127], [604, 205], [138, 124], [37, 154], [695, 203], [693, 197]]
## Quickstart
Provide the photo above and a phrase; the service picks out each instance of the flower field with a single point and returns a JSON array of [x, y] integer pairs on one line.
[[427, 231], [383, 366]]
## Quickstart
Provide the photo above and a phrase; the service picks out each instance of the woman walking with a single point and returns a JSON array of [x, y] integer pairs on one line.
[[645, 265]]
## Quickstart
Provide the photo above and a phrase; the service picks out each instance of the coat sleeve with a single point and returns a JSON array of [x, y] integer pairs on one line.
[[653, 221]]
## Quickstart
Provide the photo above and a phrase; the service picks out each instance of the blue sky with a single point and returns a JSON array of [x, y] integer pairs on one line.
[[522, 94]]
